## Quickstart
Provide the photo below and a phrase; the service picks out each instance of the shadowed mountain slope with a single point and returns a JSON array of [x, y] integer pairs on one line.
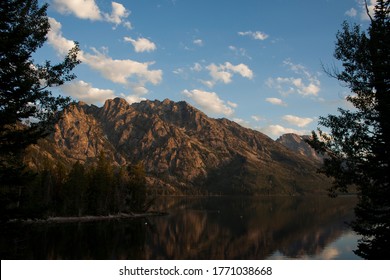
[[182, 149]]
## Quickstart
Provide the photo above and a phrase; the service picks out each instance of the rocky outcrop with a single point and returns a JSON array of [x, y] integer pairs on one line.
[[298, 144], [182, 149]]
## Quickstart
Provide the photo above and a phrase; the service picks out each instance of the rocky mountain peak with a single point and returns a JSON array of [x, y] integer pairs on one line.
[[181, 148], [116, 104], [298, 144], [167, 101]]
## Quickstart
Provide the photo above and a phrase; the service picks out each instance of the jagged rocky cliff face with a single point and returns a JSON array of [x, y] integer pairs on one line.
[[298, 144], [182, 149]]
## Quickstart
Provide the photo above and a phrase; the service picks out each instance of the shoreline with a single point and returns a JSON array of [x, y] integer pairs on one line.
[[73, 219]]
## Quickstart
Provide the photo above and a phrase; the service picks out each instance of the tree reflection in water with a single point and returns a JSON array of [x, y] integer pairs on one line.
[[196, 228]]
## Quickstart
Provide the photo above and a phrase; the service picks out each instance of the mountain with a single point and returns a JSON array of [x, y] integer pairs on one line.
[[182, 149], [298, 144]]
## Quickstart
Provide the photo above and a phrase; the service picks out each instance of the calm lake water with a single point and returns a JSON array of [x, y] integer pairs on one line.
[[199, 228]]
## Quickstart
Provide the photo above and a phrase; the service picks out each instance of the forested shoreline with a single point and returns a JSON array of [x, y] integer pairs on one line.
[[101, 189]]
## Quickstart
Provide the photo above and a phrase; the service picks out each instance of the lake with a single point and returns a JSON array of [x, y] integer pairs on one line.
[[223, 227]]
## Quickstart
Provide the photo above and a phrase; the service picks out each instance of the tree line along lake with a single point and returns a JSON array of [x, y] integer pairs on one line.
[[205, 227]]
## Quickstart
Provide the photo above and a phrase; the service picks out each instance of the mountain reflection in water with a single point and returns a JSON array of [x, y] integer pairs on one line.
[[199, 228]]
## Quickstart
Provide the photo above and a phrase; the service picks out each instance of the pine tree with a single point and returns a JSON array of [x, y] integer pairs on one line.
[[357, 147], [101, 186], [27, 106], [136, 191], [75, 191], [24, 85]]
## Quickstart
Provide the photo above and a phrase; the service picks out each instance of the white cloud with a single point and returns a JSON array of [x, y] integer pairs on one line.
[[242, 122], [305, 89], [181, 72], [84, 9], [209, 102], [218, 74], [279, 84], [133, 98], [371, 9], [209, 84], [127, 24], [363, 9], [118, 14], [300, 122], [241, 69], [224, 72], [84, 91], [136, 95], [122, 71], [198, 42], [301, 70], [307, 84], [257, 35], [276, 101], [277, 130], [57, 40], [232, 104], [257, 118], [88, 9], [311, 89], [141, 44], [351, 12], [197, 67], [140, 90], [239, 51], [178, 71]]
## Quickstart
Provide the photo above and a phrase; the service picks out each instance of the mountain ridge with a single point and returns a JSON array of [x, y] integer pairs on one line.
[[181, 148], [298, 144]]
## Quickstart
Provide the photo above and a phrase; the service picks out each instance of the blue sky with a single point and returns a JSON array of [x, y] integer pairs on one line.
[[256, 62]]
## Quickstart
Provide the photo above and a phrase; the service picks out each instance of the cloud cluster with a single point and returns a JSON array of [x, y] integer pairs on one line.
[[136, 75], [133, 98], [141, 44], [224, 73], [257, 35], [123, 71], [297, 121], [84, 91], [277, 130], [256, 118], [239, 51], [88, 9], [306, 85], [210, 102], [363, 10], [197, 67], [198, 42], [57, 40], [351, 12], [275, 101], [287, 85]]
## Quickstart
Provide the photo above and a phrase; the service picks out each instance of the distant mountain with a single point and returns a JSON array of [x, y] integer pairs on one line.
[[298, 144], [182, 149]]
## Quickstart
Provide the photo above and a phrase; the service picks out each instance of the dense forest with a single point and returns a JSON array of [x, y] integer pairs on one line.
[[99, 189]]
